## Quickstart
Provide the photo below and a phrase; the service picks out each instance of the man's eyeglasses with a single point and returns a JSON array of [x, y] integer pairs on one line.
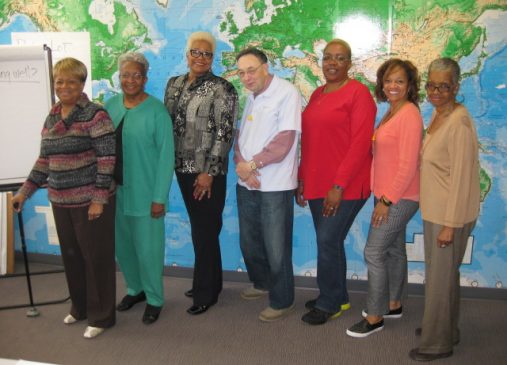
[[337, 57], [442, 88], [137, 76], [196, 54], [250, 71]]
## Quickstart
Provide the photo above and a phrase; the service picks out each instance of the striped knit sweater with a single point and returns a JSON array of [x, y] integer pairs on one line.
[[77, 156]]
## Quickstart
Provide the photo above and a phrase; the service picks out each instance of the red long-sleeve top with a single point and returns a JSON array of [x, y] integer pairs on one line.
[[337, 128]]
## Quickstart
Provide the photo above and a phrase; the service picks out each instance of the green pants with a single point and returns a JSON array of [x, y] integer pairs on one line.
[[140, 248]]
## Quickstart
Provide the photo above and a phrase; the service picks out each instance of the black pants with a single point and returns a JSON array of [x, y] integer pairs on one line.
[[205, 222], [88, 258]]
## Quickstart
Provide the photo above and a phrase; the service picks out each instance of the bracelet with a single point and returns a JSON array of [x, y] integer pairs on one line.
[[386, 202]]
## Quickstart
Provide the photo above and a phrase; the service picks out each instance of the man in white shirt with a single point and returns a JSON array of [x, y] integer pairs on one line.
[[266, 164]]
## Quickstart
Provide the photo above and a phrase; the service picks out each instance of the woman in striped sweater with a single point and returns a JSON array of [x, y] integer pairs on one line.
[[76, 164]]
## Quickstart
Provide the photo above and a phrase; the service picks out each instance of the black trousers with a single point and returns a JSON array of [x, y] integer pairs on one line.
[[206, 223], [88, 258]]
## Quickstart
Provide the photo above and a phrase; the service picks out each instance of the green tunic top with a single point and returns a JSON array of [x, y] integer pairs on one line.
[[148, 153]]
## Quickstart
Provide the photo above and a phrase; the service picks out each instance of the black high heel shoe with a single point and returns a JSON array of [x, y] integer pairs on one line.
[[198, 309]]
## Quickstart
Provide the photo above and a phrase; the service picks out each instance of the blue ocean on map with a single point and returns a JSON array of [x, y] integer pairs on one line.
[[483, 92], [20, 23]]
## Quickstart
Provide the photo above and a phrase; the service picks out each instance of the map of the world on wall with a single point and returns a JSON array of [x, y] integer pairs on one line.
[[293, 34]]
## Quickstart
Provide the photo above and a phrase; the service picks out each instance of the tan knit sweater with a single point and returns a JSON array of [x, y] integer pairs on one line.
[[450, 190]]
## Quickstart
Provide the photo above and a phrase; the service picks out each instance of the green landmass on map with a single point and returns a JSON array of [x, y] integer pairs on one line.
[[129, 33], [449, 23], [421, 31], [485, 182], [298, 24]]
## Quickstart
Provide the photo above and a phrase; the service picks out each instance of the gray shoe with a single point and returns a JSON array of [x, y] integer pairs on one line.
[[270, 314], [253, 293]]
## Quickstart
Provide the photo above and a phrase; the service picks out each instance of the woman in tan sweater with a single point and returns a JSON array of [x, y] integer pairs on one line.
[[449, 202]]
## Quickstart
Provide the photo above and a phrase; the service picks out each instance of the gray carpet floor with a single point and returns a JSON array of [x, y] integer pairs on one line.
[[230, 332]]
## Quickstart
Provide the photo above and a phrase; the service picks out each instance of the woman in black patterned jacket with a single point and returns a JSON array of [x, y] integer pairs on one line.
[[204, 110]]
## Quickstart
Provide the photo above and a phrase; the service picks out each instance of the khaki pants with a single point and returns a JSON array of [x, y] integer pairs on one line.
[[441, 305]]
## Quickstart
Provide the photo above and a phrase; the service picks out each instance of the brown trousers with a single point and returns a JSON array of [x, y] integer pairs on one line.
[[87, 248], [441, 304]]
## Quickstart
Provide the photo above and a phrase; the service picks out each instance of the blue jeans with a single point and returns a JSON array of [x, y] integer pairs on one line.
[[265, 232], [331, 261]]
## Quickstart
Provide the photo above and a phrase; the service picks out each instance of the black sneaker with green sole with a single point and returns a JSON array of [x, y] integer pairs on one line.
[[317, 316]]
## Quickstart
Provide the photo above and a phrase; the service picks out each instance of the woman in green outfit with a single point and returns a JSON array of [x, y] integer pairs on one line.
[[144, 173]]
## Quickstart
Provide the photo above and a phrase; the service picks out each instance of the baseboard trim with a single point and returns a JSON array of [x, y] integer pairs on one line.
[[300, 281]]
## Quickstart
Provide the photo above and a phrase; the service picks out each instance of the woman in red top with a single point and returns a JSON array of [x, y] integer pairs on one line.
[[395, 185], [334, 174]]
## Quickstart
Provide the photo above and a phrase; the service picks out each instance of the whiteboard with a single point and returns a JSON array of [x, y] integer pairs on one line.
[[62, 45], [26, 97]]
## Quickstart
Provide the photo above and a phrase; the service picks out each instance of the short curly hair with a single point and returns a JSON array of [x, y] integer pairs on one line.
[[413, 77], [446, 64], [136, 57]]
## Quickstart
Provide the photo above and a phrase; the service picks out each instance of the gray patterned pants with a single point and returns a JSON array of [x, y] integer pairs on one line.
[[386, 257]]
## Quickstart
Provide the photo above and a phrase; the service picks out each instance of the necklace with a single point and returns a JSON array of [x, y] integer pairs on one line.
[[441, 117], [388, 116], [391, 112], [327, 89], [325, 92]]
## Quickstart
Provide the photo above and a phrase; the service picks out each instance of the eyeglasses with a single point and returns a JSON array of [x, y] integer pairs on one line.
[[442, 88], [250, 71], [337, 57], [196, 54], [137, 76]]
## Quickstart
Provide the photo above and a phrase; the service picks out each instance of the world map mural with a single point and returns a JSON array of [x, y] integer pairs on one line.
[[293, 33]]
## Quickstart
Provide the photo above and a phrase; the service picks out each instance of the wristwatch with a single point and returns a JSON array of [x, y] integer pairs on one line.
[[338, 187], [253, 165], [386, 202]]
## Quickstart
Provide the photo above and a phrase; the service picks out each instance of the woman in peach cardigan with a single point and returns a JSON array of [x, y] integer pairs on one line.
[[395, 185]]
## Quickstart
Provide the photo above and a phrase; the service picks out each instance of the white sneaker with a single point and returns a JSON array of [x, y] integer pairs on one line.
[[69, 319], [253, 293], [92, 332], [270, 315]]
